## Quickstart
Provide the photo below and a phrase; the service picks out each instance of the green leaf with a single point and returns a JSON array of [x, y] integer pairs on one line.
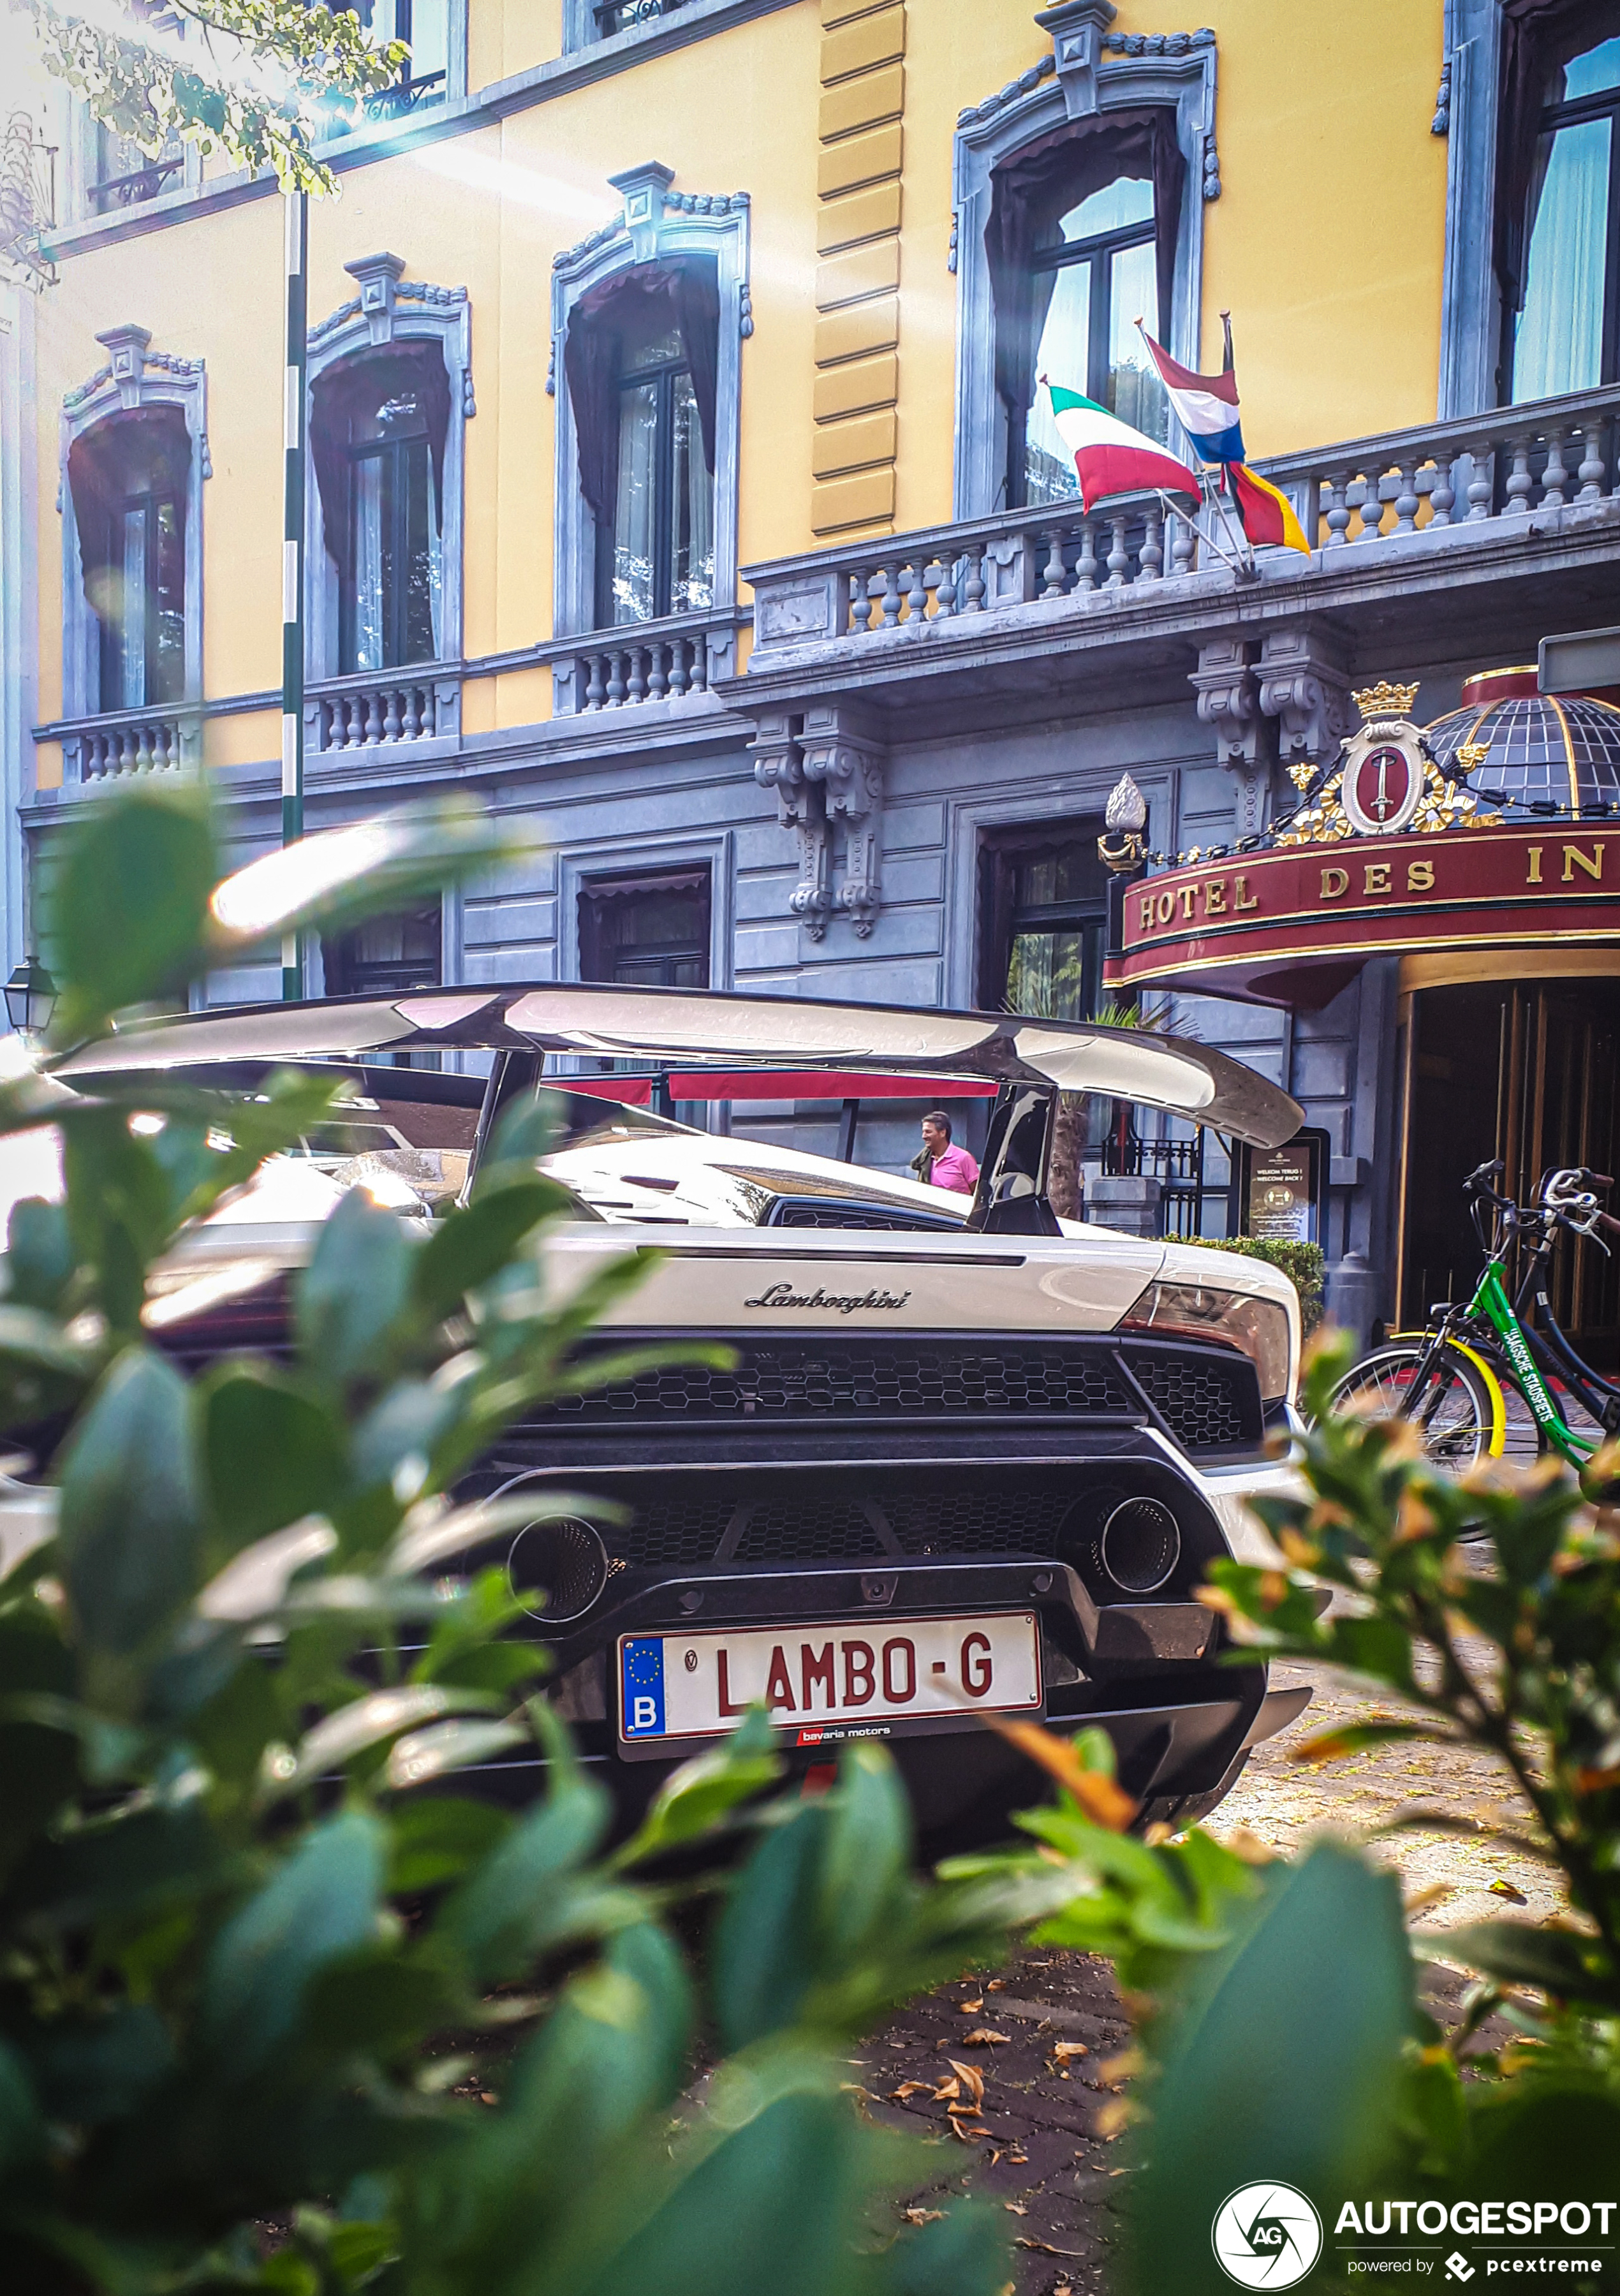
[[39, 1253], [868, 1853], [437, 1837], [501, 1915], [320, 1905], [1555, 1961], [127, 902], [272, 1453], [528, 1130], [444, 1747], [470, 1246], [364, 1723], [130, 1540], [22, 2132], [765, 1959], [354, 1290], [704, 1794], [1280, 2057]]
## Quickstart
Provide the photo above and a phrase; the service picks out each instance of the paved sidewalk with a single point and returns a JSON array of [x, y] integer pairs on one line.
[[1043, 2034]]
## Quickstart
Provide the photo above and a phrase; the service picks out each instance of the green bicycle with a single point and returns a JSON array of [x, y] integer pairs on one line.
[[1480, 1373]]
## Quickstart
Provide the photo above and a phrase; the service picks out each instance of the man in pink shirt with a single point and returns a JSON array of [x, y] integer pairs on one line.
[[941, 1165]]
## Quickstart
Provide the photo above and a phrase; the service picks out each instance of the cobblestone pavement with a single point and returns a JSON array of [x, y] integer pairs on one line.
[[1041, 2034]]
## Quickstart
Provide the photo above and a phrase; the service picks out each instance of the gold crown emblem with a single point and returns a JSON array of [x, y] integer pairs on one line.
[[1385, 700], [1470, 754]]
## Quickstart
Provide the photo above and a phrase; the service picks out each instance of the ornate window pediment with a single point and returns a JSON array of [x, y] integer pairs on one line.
[[1097, 90], [391, 393], [651, 446], [133, 457]]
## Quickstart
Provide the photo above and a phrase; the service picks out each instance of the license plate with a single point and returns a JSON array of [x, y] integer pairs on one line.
[[829, 1682]]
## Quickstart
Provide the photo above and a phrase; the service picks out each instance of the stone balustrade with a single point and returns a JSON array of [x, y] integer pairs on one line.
[[393, 707], [127, 742], [1557, 454], [638, 662], [1475, 476]]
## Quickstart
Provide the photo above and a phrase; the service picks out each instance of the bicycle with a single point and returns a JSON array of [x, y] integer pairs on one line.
[[1455, 1379]]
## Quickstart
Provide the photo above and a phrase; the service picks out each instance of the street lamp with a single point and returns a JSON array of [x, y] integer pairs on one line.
[[30, 998]]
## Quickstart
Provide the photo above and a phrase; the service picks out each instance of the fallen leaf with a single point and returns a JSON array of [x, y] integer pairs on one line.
[[996, 1985], [923, 2216], [1097, 1795], [1015, 2208], [968, 2136], [908, 2088], [971, 2008], [982, 2037], [1498, 1889], [1064, 2050], [972, 2080], [1045, 2247], [947, 2088], [1245, 1843]]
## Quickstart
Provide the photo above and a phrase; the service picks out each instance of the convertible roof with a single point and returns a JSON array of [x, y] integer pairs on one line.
[[714, 1030]]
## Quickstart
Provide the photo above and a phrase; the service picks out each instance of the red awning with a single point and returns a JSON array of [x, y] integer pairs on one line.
[[779, 1083]]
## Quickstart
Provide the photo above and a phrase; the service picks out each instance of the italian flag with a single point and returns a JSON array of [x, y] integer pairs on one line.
[[1110, 457]]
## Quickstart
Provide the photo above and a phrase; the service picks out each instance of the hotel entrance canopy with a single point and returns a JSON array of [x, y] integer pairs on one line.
[[1497, 828]]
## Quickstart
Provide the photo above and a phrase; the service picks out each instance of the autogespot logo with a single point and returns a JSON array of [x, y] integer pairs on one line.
[[1266, 2235]]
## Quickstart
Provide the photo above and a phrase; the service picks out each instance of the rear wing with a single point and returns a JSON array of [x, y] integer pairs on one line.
[[692, 1029]]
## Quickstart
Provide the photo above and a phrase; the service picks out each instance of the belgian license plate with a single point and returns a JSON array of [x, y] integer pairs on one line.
[[829, 1682]]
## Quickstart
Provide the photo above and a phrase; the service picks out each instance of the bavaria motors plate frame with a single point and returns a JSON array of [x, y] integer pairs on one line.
[[803, 1725]]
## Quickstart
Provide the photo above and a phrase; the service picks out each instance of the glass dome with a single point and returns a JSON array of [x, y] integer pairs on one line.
[[1553, 751]]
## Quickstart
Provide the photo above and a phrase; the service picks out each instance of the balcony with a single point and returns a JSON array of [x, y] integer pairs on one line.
[[120, 742], [1451, 539]]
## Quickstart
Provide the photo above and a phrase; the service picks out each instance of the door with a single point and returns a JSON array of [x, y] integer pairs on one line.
[[1525, 1071]]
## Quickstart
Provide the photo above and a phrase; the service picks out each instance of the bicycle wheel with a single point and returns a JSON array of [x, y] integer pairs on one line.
[[1453, 1414]]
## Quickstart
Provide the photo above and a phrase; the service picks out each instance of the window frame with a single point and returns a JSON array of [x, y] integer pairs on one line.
[[1096, 251], [135, 377], [664, 375], [1574, 111], [599, 887], [395, 546], [654, 224], [1003, 851], [149, 501], [1090, 73], [390, 310]]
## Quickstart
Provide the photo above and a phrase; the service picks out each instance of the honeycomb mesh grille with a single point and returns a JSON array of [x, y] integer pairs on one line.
[[856, 1381], [1202, 1401], [669, 1528]]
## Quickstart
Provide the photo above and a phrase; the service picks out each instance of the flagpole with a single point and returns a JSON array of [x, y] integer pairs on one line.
[[297, 219]]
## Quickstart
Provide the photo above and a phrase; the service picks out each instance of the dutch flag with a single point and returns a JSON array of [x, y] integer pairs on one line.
[[1206, 405]]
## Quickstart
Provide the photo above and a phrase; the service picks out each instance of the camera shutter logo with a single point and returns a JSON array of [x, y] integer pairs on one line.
[[1266, 2235]]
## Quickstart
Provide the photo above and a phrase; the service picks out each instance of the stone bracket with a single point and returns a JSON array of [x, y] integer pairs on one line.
[[1229, 703], [826, 770], [1304, 684]]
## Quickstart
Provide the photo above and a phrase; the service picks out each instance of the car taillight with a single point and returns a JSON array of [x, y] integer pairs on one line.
[[1197, 1311]]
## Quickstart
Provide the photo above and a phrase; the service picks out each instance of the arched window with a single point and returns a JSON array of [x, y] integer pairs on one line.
[[129, 475], [377, 430], [1559, 204], [641, 362], [1080, 244]]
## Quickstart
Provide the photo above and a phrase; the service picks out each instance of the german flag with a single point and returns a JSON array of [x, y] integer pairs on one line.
[[1267, 515]]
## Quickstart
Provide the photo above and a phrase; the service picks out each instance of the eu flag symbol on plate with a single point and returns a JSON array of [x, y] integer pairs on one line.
[[641, 1665]]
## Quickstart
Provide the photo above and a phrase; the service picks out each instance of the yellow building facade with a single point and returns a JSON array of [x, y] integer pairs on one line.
[[681, 475]]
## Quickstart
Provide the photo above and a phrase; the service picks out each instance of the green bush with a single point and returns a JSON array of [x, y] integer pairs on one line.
[[1278, 2005], [1304, 1264], [258, 1958]]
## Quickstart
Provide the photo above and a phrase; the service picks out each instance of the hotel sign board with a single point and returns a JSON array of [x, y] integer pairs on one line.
[[1259, 924]]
